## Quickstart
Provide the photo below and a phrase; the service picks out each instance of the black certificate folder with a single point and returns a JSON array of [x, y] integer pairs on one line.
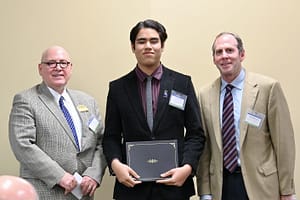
[[149, 159]]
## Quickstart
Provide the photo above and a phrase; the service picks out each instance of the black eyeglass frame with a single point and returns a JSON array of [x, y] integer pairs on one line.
[[54, 64]]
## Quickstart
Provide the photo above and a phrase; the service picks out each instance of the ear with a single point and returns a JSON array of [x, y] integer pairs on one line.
[[40, 68], [162, 48], [214, 60], [132, 48], [242, 55]]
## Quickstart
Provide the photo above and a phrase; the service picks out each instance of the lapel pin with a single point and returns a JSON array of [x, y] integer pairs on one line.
[[82, 108], [165, 94]]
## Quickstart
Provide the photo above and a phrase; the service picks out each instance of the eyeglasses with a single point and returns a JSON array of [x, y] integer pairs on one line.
[[53, 64]]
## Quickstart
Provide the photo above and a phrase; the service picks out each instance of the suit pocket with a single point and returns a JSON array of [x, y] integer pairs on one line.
[[267, 169]]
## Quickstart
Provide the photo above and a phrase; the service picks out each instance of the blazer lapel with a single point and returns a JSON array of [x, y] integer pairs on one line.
[[250, 92], [166, 85], [214, 97], [132, 90]]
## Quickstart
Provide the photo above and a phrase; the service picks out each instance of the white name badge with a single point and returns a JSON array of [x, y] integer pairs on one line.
[[254, 118], [93, 124], [177, 100]]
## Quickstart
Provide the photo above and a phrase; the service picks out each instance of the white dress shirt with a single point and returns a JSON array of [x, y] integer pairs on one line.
[[72, 110]]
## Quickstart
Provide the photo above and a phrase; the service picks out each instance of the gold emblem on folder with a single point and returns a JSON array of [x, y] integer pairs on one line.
[[152, 161]]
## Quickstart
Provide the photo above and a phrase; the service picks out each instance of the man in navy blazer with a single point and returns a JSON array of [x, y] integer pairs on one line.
[[176, 116]]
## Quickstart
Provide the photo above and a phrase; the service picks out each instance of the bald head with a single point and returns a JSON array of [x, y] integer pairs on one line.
[[16, 188], [55, 50]]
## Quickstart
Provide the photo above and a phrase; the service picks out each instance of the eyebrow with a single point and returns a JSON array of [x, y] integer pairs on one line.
[[53, 60], [144, 38]]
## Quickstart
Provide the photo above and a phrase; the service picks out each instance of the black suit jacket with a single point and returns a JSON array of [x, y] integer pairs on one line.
[[126, 121]]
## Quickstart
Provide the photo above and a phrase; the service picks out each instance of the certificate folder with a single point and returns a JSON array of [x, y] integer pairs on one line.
[[149, 159]]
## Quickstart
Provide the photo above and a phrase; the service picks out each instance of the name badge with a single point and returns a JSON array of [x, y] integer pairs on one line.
[[177, 100], [254, 118], [93, 124]]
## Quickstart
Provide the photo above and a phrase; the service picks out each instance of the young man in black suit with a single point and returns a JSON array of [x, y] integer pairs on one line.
[[176, 116]]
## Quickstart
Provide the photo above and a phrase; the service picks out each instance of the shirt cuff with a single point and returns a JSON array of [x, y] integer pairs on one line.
[[206, 197]]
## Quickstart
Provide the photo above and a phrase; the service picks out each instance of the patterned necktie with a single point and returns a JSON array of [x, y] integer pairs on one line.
[[149, 108], [228, 132], [69, 120]]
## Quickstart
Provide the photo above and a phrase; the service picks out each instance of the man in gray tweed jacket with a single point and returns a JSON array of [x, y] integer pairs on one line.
[[43, 141]]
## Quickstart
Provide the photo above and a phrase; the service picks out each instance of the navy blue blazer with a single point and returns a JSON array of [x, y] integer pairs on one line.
[[126, 121]]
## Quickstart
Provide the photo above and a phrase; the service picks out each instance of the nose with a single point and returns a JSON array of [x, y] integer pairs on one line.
[[58, 66], [148, 44], [224, 54]]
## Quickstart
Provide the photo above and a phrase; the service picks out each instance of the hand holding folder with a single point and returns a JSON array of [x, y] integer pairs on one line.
[[149, 159]]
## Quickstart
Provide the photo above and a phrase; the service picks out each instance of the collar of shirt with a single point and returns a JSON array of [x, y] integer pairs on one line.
[[157, 74], [57, 96], [238, 82]]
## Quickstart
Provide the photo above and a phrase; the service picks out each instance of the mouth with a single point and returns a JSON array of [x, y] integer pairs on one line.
[[148, 53], [57, 75], [226, 64]]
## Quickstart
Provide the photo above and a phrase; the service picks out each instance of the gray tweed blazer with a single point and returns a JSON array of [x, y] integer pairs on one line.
[[44, 145]]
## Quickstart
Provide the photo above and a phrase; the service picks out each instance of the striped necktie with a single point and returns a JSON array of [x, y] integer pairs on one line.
[[230, 155], [69, 120]]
